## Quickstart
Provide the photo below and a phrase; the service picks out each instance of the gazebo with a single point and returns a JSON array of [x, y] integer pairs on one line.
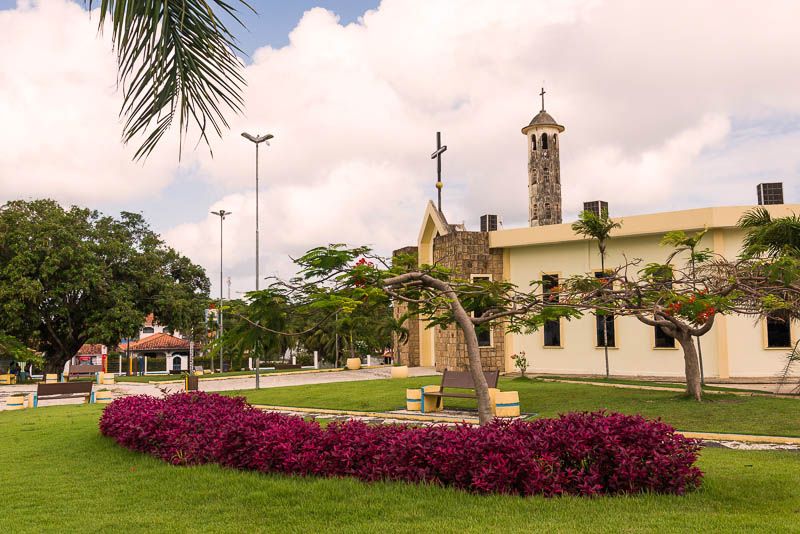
[[174, 349]]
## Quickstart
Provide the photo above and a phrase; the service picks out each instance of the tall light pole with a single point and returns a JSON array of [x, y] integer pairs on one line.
[[257, 140], [221, 214]]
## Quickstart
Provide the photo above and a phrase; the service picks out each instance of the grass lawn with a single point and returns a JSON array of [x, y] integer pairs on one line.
[[717, 413], [165, 378], [634, 382], [62, 476]]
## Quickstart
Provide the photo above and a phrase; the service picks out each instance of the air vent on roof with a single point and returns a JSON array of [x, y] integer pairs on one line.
[[771, 193], [596, 207]]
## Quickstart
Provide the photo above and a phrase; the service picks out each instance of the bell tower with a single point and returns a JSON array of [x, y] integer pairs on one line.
[[544, 169]]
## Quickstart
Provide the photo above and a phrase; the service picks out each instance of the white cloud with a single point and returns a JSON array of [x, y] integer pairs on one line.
[[653, 97], [59, 105]]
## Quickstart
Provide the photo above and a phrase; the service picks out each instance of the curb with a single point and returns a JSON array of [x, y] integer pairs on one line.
[[709, 436]]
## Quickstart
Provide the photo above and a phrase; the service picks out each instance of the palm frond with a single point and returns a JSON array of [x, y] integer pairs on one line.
[[175, 58]]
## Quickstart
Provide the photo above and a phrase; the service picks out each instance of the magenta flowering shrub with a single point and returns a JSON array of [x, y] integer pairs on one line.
[[575, 454]]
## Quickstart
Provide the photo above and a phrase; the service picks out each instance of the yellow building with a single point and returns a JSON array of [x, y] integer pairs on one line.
[[736, 347]]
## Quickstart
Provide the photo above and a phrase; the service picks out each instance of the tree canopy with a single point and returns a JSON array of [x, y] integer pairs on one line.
[[72, 276]]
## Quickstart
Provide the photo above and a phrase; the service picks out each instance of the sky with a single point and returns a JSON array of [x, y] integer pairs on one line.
[[666, 106]]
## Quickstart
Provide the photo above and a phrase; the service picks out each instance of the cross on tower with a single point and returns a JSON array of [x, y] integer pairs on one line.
[[440, 149], [542, 95]]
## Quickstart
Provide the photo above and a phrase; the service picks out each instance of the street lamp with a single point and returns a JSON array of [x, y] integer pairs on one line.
[[221, 214], [257, 140]]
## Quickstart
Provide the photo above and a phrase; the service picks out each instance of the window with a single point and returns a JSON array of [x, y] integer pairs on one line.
[[663, 340], [555, 140], [148, 330], [779, 330], [609, 339], [535, 212], [552, 329], [483, 331], [533, 142], [547, 212], [545, 175], [544, 141]]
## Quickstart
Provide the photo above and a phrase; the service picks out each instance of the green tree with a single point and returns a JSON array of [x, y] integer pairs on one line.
[[71, 276], [768, 236], [176, 60], [598, 227]]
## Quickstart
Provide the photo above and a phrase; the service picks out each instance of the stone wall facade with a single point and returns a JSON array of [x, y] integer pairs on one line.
[[407, 353], [468, 254]]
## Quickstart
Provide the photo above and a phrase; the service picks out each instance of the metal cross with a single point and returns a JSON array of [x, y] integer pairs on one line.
[[440, 149], [542, 95]]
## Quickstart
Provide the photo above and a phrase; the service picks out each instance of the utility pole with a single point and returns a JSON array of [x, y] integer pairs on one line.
[[221, 214], [257, 140]]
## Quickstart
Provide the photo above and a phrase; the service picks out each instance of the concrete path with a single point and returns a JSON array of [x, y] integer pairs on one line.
[[268, 380]]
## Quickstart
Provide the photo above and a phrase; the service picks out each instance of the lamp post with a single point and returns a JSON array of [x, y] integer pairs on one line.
[[221, 214], [257, 140]]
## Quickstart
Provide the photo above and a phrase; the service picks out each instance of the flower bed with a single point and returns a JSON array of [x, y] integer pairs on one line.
[[577, 453]]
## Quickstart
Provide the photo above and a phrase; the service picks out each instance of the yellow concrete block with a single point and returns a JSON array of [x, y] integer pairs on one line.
[[107, 379], [431, 404], [8, 379], [103, 397], [506, 404], [414, 400], [401, 371], [354, 363], [16, 402], [50, 378], [492, 394]]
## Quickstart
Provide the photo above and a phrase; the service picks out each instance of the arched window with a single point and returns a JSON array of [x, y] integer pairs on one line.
[[533, 143], [546, 175], [176, 363], [547, 211], [544, 141], [555, 140]]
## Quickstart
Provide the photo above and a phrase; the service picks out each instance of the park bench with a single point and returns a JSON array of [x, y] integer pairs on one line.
[[79, 371], [63, 390], [461, 380]]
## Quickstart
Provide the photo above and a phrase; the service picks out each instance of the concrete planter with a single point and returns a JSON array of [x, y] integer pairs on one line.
[[106, 379], [354, 363], [401, 371], [506, 404], [414, 400]]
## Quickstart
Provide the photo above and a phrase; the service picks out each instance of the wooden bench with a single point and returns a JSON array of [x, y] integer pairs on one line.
[[459, 380], [79, 371], [63, 390]]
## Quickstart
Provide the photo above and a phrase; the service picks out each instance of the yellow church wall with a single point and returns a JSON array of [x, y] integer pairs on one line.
[[734, 348]]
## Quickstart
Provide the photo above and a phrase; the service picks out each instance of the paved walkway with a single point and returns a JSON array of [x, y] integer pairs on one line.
[[268, 380]]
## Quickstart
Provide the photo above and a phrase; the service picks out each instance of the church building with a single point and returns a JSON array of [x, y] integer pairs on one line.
[[547, 250]]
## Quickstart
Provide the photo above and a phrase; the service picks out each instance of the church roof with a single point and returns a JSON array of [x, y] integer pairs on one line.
[[543, 118]]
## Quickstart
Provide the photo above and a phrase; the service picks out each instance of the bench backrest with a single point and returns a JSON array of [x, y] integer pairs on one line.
[[85, 370], [64, 388], [463, 379]]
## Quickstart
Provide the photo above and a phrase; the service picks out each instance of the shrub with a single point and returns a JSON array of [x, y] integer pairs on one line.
[[574, 454]]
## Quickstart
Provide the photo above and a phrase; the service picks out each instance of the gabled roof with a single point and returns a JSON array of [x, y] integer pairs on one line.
[[161, 341], [433, 217], [90, 349]]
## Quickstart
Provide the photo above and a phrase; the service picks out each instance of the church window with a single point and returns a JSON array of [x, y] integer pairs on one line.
[[482, 331], [779, 333], [607, 338], [555, 140], [552, 328], [545, 175], [662, 339], [547, 211], [544, 141], [533, 142]]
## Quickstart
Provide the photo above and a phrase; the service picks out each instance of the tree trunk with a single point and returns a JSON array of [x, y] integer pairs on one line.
[[54, 363], [692, 365]]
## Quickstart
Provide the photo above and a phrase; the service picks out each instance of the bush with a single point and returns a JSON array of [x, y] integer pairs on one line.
[[575, 454]]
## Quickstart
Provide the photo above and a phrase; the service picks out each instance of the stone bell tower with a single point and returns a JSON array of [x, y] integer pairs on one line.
[[544, 169]]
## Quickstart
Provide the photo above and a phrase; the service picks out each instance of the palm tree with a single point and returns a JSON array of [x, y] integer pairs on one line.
[[599, 227], [770, 237], [175, 58]]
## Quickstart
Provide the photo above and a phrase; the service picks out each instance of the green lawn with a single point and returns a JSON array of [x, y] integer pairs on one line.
[[62, 476], [654, 383], [717, 413]]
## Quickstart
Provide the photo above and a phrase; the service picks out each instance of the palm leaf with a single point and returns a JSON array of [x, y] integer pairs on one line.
[[175, 58]]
